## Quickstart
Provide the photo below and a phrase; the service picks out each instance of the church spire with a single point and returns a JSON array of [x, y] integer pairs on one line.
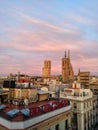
[[79, 71], [65, 54], [69, 54]]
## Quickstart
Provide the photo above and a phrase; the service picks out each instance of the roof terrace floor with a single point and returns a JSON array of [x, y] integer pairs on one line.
[[19, 116]]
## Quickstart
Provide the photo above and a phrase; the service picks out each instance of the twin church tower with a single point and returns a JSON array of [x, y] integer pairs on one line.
[[67, 70]]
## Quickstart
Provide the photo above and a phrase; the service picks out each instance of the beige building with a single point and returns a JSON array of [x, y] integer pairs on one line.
[[19, 94], [23, 90], [67, 70], [46, 70], [55, 120], [95, 112], [84, 79], [83, 106]]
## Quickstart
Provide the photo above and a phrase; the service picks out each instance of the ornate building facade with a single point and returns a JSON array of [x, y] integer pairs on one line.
[[84, 107], [67, 70]]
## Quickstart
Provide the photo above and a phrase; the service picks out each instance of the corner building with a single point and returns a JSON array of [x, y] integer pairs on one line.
[[83, 107], [46, 115]]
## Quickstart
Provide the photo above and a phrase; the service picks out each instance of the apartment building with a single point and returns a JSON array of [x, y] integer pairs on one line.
[[52, 114], [83, 107], [43, 113], [84, 78]]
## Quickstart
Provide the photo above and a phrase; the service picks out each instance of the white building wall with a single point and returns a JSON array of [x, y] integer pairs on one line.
[[81, 120], [62, 125]]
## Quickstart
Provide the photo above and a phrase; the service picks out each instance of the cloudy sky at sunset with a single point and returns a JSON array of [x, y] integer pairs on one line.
[[32, 31]]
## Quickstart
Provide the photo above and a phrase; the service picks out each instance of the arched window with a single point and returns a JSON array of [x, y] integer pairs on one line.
[[75, 105]]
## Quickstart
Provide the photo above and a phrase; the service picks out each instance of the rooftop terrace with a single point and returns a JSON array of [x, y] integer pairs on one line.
[[22, 112], [20, 117]]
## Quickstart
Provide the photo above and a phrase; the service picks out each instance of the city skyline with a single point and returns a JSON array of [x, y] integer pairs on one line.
[[34, 31]]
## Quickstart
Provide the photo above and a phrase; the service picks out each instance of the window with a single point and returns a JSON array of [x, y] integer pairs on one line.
[[75, 105], [63, 63], [18, 94], [66, 124], [57, 127], [84, 105]]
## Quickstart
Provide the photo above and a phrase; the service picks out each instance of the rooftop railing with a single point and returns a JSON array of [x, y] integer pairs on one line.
[[17, 113], [25, 123]]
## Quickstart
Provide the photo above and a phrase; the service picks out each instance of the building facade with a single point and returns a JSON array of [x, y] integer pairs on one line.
[[67, 70], [83, 107], [84, 79], [46, 70]]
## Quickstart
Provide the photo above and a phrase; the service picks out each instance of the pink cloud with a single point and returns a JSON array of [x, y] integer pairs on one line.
[[56, 28], [52, 40]]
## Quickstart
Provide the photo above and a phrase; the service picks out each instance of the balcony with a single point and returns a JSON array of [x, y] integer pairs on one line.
[[77, 97]]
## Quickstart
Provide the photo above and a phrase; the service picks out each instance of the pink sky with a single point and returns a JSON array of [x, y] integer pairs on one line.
[[32, 34]]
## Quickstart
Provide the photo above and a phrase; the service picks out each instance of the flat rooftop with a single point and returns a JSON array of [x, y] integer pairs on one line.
[[18, 113]]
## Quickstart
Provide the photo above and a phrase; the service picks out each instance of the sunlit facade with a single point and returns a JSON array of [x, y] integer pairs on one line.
[[84, 79], [67, 70], [83, 106], [46, 70]]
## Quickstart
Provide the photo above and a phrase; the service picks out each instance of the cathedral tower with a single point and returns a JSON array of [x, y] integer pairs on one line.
[[46, 70], [67, 70]]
